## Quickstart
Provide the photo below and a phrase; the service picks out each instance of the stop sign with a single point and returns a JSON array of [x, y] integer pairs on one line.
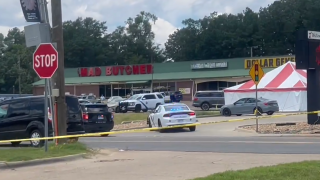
[[45, 60]]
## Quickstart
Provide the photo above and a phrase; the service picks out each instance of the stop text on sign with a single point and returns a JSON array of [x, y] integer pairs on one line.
[[45, 60]]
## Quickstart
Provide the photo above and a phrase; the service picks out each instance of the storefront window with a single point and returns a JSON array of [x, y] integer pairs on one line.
[[213, 85], [230, 84], [122, 90], [223, 85], [163, 87], [141, 88], [105, 90], [171, 87], [115, 90], [156, 87]]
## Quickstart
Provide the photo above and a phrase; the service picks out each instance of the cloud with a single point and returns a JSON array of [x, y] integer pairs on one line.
[[162, 30], [115, 12]]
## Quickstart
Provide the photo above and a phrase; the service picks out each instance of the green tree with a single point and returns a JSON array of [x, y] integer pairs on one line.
[[134, 42], [85, 43]]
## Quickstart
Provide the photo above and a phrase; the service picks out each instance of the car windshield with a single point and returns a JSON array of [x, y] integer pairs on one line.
[[134, 97], [176, 108]]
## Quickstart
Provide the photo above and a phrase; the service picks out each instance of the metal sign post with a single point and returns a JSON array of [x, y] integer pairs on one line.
[[45, 64], [256, 73], [46, 134]]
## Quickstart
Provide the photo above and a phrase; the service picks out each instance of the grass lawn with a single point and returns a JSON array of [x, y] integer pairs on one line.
[[120, 117], [307, 170], [28, 153]]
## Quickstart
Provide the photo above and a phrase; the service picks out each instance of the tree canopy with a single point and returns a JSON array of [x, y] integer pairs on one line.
[[88, 42]]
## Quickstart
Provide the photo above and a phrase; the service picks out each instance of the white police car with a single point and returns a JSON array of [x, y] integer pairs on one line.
[[172, 114]]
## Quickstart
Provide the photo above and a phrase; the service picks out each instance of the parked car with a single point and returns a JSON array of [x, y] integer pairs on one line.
[[248, 106], [113, 103], [208, 99], [176, 96], [28, 116], [97, 118], [166, 97], [83, 101]]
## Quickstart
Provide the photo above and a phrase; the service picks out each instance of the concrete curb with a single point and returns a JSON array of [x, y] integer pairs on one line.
[[239, 129], [18, 164], [129, 129]]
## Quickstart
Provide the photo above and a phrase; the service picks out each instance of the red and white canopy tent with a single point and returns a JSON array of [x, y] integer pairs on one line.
[[285, 84]]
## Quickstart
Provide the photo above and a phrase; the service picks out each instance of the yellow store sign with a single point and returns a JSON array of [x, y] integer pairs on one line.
[[268, 62]]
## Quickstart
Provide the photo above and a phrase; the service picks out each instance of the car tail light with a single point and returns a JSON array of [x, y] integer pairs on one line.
[[85, 116], [192, 114], [166, 115], [266, 104], [195, 99]]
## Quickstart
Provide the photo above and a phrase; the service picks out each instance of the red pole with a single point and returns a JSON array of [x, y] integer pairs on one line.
[[56, 122]]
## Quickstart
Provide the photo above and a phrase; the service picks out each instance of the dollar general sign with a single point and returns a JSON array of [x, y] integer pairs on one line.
[[268, 62]]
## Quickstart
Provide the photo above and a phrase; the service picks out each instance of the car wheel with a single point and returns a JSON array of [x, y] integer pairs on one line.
[[192, 128], [15, 144], [117, 109], [226, 112], [105, 135], [36, 134], [259, 111], [160, 126], [205, 106], [239, 114], [270, 112], [137, 108]]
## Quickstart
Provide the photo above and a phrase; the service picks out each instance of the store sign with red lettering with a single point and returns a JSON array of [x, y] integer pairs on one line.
[[116, 70]]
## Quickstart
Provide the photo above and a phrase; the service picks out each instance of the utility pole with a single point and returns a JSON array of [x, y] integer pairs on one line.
[[19, 80], [58, 78]]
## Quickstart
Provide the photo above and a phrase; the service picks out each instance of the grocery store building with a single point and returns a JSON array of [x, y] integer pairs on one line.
[[187, 77]]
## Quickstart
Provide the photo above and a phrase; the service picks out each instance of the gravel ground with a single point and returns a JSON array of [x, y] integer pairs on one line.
[[278, 128], [140, 124]]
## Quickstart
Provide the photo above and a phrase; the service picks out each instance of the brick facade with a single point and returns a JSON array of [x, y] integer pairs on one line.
[[186, 84], [77, 90]]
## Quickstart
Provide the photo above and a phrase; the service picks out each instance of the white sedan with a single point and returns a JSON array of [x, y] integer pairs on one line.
[[171, 115]]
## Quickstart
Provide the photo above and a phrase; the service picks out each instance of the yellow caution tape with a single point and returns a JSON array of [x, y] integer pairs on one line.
[[156, 129]]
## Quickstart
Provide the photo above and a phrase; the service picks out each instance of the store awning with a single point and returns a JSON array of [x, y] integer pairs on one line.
[[136, 82]]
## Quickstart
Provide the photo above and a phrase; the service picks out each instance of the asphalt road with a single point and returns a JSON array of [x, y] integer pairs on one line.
[[219, 137]]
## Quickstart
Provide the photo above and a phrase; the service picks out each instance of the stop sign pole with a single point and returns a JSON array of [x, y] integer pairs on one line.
[[45, 64]]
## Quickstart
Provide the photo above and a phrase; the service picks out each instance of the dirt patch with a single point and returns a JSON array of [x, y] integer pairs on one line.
[[133, 125], [284, 128]]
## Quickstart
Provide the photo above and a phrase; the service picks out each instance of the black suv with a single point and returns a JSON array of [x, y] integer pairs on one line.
[[24, 118], [97, 118]]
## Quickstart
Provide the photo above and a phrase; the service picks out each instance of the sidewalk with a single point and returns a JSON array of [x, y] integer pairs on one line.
[[150, 165]]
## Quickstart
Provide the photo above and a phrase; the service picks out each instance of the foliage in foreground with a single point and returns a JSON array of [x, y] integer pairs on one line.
[[27, 153], [307, 170]]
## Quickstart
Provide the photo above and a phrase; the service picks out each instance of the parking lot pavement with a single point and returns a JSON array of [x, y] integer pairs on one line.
[[139, 165]]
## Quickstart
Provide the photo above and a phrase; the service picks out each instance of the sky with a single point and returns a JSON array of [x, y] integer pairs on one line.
[[170, 13]]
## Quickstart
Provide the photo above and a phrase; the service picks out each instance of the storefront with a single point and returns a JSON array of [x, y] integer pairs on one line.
[[187, 77]]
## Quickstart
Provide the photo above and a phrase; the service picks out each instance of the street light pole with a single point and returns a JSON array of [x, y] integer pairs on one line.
[[251, 50]]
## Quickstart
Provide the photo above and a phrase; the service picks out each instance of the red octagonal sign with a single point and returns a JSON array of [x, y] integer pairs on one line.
[[45, 60]]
